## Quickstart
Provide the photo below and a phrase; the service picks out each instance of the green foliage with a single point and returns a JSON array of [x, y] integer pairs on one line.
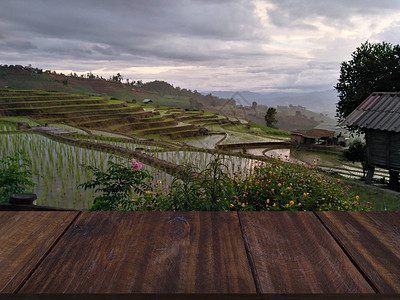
[[356, 152], [117, 184], [208, 189], [270, 117], [372, 68], [285, 186], [272, 185], [15, 175], [270, 131]]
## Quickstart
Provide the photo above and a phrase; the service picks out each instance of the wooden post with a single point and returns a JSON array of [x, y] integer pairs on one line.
[[370, 174], [393, 180], [26, 198]]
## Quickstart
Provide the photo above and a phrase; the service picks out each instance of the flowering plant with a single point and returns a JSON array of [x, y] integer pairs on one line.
[[117, 184]]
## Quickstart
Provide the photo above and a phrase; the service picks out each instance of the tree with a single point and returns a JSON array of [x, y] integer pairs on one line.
[[373, 68], [270, 117], [254, 105]]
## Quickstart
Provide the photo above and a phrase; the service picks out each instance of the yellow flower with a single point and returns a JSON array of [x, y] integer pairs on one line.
[[231, 205], [239, 203], [322, 199], [287, 205], [291, 202], [245, 187], [244, 195], [279, 184], [267, 200], [149, 192], [357, 197], [274, 204], [243, 205], [288, 188]]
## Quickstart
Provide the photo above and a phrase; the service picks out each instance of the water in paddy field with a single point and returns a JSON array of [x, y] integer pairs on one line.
[[201, 159], [205, 142], [59, 168]]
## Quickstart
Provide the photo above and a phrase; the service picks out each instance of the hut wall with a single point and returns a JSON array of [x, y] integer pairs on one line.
[[395, 150], [383, 149]]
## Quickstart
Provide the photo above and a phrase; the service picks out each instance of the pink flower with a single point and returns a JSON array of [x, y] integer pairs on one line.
[[135, 165]]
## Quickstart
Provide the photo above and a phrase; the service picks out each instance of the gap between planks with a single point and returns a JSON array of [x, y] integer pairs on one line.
[[46, 253], [250, 256], [348, 254]]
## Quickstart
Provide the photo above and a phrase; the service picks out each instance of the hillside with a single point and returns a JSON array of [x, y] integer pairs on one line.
[[162, 94]]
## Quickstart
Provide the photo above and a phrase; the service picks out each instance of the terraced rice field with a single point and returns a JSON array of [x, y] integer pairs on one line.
[[100, 113], [59, 168]]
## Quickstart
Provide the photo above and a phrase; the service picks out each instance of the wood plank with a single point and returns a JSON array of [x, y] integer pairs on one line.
[[147, 252], [24, 240], [294, 253], [373, 241]]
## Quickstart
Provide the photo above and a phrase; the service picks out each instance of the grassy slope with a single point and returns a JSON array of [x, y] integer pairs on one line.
[[121, 92]]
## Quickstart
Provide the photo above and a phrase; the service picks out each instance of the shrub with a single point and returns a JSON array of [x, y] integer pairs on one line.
[[15, 175], [356, 152], [272, 185], [117, 185], [208, 189], [286, 186]]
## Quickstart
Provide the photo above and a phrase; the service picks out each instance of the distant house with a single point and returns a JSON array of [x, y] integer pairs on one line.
[[379, 117], [147, 101], [312, 136]]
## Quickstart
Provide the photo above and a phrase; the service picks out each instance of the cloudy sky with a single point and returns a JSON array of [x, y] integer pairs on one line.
[[260, 45]]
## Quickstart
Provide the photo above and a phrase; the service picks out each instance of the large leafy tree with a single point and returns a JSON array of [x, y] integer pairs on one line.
[[372, 68]]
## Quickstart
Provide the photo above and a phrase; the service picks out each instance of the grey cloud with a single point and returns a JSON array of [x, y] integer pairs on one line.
[[223, 42], [294, 13], [173, 30], [17, 44], [390, 35]]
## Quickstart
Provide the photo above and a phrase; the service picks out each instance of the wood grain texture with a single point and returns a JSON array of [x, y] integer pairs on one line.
[[373, 241], [24, 239], [147, 252], [294, 253]]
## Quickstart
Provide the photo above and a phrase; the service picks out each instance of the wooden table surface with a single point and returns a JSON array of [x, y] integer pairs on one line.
[[200, 252]]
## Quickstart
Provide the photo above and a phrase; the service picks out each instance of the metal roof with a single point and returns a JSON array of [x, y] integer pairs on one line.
[[314, 133], [379, 111]]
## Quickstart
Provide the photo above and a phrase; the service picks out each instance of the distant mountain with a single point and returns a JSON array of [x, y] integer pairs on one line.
[[322, 101]]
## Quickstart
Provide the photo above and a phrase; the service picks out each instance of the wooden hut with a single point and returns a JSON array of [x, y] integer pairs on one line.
[[379, 117], [312, 136]]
